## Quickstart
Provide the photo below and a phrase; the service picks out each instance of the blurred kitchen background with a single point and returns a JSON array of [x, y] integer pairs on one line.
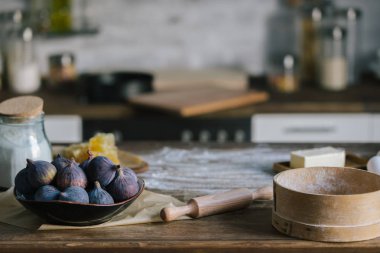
[[93, 62]]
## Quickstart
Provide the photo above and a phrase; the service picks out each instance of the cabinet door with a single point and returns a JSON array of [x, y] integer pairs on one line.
[[314, 128], [64, 128], [376, 128]]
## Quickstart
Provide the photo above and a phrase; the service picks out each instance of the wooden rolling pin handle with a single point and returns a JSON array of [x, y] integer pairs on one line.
[[264, 193], [217, 203]]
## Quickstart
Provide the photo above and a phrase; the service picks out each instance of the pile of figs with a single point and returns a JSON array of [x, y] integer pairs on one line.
[[96, 181]]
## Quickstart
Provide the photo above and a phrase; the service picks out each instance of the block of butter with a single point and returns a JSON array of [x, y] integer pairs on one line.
[[326, 156]]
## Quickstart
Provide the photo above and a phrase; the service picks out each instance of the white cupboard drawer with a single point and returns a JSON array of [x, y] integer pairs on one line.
[[63, 128], [322, 128], [376, 128]]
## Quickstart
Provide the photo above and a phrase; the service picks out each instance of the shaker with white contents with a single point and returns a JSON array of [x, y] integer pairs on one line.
[[23, 71], [22, 136], [333, 60]]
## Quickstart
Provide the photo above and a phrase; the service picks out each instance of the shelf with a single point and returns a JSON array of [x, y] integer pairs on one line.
[[80, 32]]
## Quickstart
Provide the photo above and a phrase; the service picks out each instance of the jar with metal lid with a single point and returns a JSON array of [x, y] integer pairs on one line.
[[62, 69], [22, 136], [285, 78], [333, 59]]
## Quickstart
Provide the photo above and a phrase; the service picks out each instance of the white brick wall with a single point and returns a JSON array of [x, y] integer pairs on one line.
[[151, 34]]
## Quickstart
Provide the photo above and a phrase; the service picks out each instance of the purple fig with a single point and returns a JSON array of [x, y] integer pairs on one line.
[[46, 193], [22, 183], [74, 194], [101, 169], [40, 172], [124, 186], [85, 163], [99, 196], [60, 162], [71, 175]]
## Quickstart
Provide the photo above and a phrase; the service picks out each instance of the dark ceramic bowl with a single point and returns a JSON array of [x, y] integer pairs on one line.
[[76, 214]]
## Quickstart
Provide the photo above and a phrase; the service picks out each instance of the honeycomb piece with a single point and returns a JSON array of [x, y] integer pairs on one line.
[[102, 144]]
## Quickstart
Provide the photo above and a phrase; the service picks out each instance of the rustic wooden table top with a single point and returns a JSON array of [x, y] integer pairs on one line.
[[187, 170]]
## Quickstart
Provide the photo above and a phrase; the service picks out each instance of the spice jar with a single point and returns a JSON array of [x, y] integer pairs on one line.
[[22, 136], [61, 69], [333, 61], [285, 76]]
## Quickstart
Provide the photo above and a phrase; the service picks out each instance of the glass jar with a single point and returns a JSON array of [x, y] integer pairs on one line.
[[62, 69], [22, 66], [350, 19], [333, 61], [21, 138], [284, 78], [310, 24]]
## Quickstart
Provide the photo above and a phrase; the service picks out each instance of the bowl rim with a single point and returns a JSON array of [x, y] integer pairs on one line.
[[276, 183], [140, 181]]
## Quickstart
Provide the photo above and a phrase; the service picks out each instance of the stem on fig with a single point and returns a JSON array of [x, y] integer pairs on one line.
[[90, 155], [97, 184]]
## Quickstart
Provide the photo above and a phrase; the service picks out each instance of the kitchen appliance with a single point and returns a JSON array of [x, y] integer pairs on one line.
[[114, 87]]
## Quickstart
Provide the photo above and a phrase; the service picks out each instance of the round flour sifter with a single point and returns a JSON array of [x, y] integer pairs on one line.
[[327, 204]]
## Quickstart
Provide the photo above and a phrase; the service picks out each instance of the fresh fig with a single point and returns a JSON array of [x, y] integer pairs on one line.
[[46, 193], [101, 169], [74, 194], [40, 172], [71, 175], [60, 162], [22, 183], [99, 196], [124, 185], [85, 163]]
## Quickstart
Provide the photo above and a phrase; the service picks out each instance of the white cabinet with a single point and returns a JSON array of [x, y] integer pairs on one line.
[[315, 128], [376, 128], [63, 128]]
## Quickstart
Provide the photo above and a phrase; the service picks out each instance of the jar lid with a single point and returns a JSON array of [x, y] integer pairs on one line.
[[63, 59], [23, 106]]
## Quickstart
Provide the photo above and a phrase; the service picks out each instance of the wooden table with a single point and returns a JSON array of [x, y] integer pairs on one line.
[[247, 230]]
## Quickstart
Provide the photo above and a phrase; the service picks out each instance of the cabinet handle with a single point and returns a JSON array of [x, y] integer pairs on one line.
[[308, 130]]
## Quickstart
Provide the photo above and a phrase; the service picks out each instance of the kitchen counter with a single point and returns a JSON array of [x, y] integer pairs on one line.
[[355, 99], [185, 171]]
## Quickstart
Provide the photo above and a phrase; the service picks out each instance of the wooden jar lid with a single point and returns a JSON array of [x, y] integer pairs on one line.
[[23, 106]]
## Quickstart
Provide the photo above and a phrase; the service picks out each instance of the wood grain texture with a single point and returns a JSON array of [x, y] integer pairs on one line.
[[330, 204], [199, 101], [352, 160], [245, 230], [22, 106], [217, 203]]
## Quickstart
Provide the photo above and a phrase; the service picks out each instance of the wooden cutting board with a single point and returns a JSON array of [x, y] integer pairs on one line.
[[200, 101]]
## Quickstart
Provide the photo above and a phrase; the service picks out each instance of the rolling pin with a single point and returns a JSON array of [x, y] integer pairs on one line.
[[217, 203]]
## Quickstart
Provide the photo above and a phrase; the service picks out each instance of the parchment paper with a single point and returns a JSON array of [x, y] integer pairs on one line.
[[145, 209]]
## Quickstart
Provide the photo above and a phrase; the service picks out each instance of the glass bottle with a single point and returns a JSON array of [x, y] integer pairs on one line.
[[333, 61], [313, 16], [21, 138], [22, 65], [350, 19], [60, 16]]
